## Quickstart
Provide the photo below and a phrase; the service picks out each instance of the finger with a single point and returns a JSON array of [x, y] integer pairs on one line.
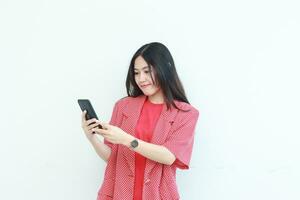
[[99, 124], [101, 131], [88, 122], [91, 126], [83, 116], [105, 126], [98, 133]]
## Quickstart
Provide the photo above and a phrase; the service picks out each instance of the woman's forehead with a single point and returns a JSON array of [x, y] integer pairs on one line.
[[140, 63]]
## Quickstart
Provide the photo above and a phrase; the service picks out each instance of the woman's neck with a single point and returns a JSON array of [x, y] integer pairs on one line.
[[156, 98]]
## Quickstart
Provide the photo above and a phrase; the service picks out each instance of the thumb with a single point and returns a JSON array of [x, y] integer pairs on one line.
[[105, 126]]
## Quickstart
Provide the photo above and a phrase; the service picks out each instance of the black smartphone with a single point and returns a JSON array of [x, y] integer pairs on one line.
[[85, 104]]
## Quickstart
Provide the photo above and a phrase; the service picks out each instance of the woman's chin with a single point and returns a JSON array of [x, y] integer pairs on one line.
[[148, 93]]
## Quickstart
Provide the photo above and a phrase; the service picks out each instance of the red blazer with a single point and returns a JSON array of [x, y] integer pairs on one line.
[[174, 130]]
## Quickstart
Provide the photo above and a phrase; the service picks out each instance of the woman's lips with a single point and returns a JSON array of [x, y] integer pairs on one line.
[[144, 86]]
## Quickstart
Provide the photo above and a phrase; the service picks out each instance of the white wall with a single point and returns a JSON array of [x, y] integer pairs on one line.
[[238, 60]]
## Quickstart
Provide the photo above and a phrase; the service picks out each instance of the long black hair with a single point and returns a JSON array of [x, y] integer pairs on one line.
[[160, 59]]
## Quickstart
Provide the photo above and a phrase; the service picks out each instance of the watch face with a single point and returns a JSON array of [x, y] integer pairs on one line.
[[134, 143]]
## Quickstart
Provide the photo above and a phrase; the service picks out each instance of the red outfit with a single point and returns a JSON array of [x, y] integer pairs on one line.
[[144, 131], [174, 130]]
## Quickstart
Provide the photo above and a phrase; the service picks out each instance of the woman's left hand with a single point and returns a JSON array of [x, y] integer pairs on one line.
[[113, 134]]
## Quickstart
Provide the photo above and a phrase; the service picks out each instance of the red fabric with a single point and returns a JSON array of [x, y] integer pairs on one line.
[[174, 129], [144, 131]]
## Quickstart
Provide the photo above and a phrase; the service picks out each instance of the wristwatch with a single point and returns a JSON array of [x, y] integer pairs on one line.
[[134, 143]]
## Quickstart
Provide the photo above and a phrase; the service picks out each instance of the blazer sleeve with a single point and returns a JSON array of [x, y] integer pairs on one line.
[[113, 121], [181, 140]]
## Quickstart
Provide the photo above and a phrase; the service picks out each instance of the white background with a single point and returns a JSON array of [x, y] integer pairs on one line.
[[239, 63]]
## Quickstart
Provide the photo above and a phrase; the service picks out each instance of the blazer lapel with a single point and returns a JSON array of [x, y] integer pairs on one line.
[[160, 133], [131, 115]]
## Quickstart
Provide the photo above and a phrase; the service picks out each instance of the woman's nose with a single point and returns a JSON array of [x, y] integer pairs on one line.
[[142, 77]]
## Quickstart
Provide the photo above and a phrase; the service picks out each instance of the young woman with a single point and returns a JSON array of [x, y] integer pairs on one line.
[[151, 132]]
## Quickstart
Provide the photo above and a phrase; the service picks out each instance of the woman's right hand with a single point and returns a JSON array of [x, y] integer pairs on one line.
[[88, 125]]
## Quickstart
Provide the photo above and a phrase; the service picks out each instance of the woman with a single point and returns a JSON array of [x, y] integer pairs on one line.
[[151, 132]]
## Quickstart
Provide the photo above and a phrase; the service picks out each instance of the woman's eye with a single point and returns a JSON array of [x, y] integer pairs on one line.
[[146, 72], [136, 73]]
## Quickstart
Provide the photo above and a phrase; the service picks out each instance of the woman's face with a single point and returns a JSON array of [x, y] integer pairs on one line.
[[142, 76]]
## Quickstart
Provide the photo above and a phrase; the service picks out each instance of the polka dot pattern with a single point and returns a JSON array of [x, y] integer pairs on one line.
[[174, 130]]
